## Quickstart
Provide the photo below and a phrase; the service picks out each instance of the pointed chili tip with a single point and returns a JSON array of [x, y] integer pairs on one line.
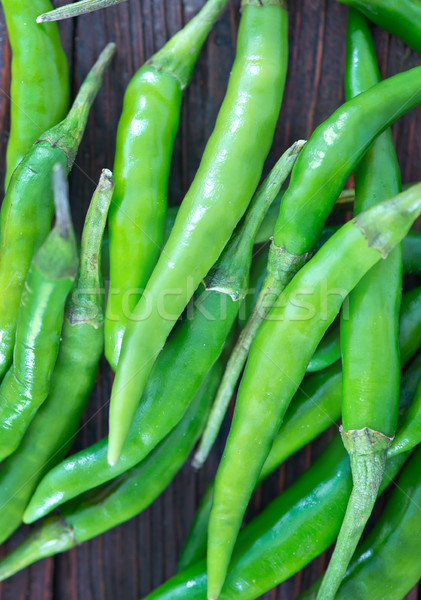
[[61, 201]]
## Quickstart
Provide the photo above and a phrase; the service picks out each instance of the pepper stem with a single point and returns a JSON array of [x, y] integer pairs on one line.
[[68, 134], [63, 222], [51, 537], [367, 450], [282, 266], [85, 303], [75, 10]]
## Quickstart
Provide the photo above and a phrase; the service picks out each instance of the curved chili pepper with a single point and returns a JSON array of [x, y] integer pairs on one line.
[[28, 207], [315, 406], [239, 144], [281, 540], [400, 17], [39, 88], [332, 152], [280, 354], [370, 332], [327, 352], [50, 277], [119, 500], [75, 10], [195, 345], [53, 428], [388, 564], [145, 139]]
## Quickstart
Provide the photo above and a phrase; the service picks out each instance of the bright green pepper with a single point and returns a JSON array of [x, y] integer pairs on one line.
[[370, 329], [228, 174], [145, 139], [50, 277], [53, 428], [280, 354], [28, 207], [39, 88], [119, 500], [194, 346]]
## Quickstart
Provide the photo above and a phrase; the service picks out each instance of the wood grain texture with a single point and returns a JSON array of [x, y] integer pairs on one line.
[[136, 557]]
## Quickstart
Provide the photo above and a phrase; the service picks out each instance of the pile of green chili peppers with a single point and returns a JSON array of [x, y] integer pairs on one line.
[[245, 287]]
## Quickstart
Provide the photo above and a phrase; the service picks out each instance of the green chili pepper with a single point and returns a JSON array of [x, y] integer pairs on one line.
[[227, 177], [28, 206], [315, 406], [119, 500], [145, 139], [370, 332], [400, 17], [39, 89], [50, 278], [409, 430], [53, 428], [295, 528], [280, 354], [76, 9], [388, 563], [327, 352], [194, 346], [320, 174]]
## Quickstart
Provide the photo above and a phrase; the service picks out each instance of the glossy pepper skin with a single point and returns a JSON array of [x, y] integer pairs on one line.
[[370, 329], [145, 139], [53, 428], [281, 540], [194, 346], [39, 88], [318, 178], [279, 357], [400, 17], [227, 176], [388, 564], [316, 405], [122, 498], [50, 278], [27, 209]]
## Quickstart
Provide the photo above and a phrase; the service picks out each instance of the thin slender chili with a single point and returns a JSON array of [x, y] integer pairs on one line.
[[28, 207], [39, 89], [280, 354], [228, 174], [50, 278], [195, 345], [370, 332], [53, 428], [145, 140]]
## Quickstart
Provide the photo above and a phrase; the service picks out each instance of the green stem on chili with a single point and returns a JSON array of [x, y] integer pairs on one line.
[[195, 345], [28, 207], [39, 89], [228, 174], [75, 10], [280, 354]]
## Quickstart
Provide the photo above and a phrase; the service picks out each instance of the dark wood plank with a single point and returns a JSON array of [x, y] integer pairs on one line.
[[132, 559]]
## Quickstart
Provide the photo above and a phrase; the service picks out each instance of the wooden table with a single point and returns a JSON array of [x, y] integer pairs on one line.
[[129, 561]]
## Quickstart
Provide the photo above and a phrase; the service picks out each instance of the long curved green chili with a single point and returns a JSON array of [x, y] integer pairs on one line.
[[119, 500], [315, 406], [332, 152], [370, 330], [145, 140], [28, 207], [280, 354], [194, 346], [53, 428], [388, 564], [50, 277], [39, 90], [281, 540], [228, 174], [75, 10], [400, 17]]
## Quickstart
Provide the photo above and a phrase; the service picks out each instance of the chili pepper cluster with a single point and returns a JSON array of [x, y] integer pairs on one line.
[[180, 329]]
